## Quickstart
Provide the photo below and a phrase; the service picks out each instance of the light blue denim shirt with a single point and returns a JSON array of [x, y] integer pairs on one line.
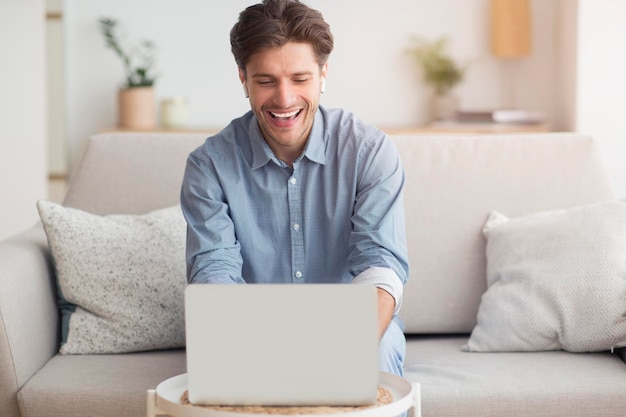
[[337, 215]]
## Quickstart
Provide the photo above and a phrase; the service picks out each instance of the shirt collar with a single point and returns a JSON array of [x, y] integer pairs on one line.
[[314, 150]]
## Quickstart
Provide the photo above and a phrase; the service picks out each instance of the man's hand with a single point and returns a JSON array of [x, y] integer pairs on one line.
[[386, 305]]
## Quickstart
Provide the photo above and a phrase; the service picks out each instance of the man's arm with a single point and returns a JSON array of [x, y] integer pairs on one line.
[[378, 241], [386, 307], [213, 252]]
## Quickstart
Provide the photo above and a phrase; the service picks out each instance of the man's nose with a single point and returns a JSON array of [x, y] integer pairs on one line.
[[284, 94]]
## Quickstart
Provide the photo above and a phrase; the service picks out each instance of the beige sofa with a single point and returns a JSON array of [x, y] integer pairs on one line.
[[453, 183]]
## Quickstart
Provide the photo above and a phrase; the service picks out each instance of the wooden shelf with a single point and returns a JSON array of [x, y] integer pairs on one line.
[[207, 130], [433, 128], [465, 128]]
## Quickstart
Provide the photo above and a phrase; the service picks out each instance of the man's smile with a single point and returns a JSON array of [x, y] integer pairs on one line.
[[284, 117]]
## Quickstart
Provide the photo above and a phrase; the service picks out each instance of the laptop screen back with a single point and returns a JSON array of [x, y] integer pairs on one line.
[[281, 344]]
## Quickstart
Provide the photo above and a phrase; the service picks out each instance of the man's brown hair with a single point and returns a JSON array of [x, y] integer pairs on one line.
[[273, 23]]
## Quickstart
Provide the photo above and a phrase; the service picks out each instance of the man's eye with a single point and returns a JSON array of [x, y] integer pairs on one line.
[[265, 82], [301, 80]]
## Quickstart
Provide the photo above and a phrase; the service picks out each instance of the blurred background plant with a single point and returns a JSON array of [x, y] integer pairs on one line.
[[439, 69], [138, 60]]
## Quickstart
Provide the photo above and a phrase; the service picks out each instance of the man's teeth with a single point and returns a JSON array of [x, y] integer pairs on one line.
[[285, 115]]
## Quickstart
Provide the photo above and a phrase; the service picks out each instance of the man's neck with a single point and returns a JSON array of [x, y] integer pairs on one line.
[[288, 154]]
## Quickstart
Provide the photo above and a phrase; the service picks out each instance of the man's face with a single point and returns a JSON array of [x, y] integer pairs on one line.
[[284, 85]]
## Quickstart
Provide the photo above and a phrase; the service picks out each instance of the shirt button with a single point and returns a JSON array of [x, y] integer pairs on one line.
[[296, 227], [293, 181], [298, 274]]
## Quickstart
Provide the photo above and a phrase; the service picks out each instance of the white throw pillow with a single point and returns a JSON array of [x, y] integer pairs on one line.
[[121, 278], [556, 280]]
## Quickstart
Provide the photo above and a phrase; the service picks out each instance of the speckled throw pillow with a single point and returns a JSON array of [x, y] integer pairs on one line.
[[121, 278]]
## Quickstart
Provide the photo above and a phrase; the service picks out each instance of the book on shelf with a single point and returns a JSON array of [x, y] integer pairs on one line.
[[505, 116]]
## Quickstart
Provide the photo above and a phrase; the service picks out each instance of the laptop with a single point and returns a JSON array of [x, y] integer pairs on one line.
[[281, 344]]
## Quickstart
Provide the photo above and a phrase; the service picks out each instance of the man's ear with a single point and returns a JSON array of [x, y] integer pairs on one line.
[[323, 72], [242, 78]]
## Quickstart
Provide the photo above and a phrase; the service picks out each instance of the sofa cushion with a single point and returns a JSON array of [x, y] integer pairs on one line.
[[120, 278], [556, 280], [551, 383], [98, 385]]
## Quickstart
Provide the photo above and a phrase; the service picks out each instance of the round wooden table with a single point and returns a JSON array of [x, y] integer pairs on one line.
[[166, 399]]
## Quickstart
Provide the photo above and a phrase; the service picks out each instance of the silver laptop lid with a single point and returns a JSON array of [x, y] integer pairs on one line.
[[281, 344]]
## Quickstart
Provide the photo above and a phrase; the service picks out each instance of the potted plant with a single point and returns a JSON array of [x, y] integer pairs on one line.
[[441, 72], [136, 102]]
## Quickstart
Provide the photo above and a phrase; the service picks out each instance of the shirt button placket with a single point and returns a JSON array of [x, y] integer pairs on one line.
[[295, 219]]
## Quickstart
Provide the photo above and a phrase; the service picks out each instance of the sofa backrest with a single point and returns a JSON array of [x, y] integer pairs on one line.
[[453, 182], [130, 173]]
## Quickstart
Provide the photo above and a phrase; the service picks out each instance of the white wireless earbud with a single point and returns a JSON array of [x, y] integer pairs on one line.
[[323, 85], [245, 90]]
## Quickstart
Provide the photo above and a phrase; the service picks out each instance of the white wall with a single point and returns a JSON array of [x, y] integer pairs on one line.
[[23, 150], [370, 73], [601, 81], [57, 152]]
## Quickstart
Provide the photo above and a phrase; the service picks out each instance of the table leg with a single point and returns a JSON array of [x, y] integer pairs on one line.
[[151, 407], [417, 400]]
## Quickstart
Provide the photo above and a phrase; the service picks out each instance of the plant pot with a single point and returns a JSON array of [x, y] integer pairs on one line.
[[445, 107], [136, 108]]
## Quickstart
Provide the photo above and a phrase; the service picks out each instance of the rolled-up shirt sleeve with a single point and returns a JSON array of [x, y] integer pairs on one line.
[[385, 279], [378, 251]]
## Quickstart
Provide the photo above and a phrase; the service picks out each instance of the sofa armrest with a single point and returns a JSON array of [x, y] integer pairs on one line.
[[29, 319]]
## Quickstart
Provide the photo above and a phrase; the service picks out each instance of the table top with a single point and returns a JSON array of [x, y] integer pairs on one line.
[[169, 392]]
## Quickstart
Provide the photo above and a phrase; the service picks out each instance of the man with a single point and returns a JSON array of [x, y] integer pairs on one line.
[[292, 192]]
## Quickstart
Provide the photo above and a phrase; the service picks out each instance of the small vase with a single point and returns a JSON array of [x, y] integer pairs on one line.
[[136, 108], [445, 107], [174, 113]]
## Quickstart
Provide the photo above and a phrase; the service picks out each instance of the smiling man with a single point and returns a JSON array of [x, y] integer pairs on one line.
[[292, 192]]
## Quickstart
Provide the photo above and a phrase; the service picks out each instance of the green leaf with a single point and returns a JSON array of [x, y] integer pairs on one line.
[[143, 53], [438, 68]]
